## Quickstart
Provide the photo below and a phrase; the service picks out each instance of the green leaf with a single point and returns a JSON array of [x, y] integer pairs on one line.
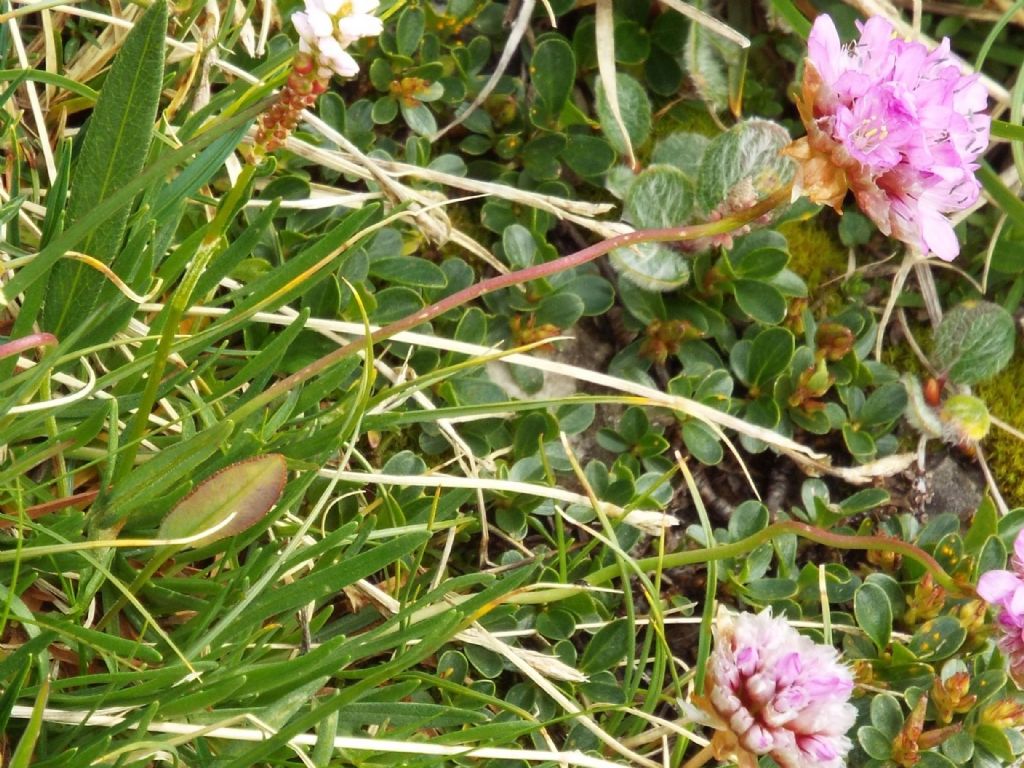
[[22, 755], [485, 661], [712, 64], [770, 354], [938, 639], [419, 118], [748, 518], [113, 152], [974, 341], [519, 245], [108, 643], [884, 405], [594, 291], [860, 444], [608, 647], [395, 303], [409, 270], [702, 443], [652, 266], [632, 42], [1006, 199], [588, 156], [959, 748], [748, 153], [555, 624], [767, 590], [384, 110], [552, 72], [759, 301], [874, 613], [991, 557], [931, 759], [684, 150], [561, 310], [12, 692], [995, 741], [984, 524], [663, 73], [874, 742], [760, 255], [886, 714], [788, 11], [660, 196], [863, 500], [409, 30], [229, 501], [855, 229], [1005, 130], [636, 113]]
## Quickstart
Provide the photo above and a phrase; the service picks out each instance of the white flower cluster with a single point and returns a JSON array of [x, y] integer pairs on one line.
[[327, 27]]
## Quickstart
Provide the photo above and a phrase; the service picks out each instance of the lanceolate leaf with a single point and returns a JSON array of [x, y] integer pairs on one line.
[[229, 501], [113, 152]]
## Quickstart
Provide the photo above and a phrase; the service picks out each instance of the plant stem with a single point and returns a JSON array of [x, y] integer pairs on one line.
[[536, 272], [809, 532], [700, 758]]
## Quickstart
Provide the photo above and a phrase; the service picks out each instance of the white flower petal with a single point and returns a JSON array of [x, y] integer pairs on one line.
[[365, 6], [322, 24], [353, 28], [303, 27]]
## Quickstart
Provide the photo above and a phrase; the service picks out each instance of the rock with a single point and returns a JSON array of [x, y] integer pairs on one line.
[[953, 488]]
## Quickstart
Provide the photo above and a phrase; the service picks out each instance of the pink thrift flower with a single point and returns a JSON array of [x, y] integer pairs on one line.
[[1005, 591], [897, 124], [775, 692]]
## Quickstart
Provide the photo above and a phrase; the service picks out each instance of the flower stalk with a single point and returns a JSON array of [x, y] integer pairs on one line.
[[804, 531], [484, 287]]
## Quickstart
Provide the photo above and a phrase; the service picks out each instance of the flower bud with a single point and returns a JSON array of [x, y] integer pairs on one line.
[[1005, 713], [950, 696], [927, 601]]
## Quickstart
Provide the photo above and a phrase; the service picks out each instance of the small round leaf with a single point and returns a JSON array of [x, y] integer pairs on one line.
[[874, 614]]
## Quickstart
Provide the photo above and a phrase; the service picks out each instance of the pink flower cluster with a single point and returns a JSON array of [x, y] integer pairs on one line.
[[1005, 590], [897, 124], [775, 692]]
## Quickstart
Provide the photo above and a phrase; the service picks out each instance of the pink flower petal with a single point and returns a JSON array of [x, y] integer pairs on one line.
[[1015, 604], [792, 704], [938, 234], [1018, 547], [824, 48], [901, 123], [994, 586]]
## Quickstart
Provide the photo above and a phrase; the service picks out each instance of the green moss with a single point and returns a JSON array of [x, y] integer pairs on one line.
[[1003, 451], [815, 254], [902, 358]]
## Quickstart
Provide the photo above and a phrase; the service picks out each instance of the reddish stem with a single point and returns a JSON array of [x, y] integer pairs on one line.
[[536, 272], [33, 340]]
